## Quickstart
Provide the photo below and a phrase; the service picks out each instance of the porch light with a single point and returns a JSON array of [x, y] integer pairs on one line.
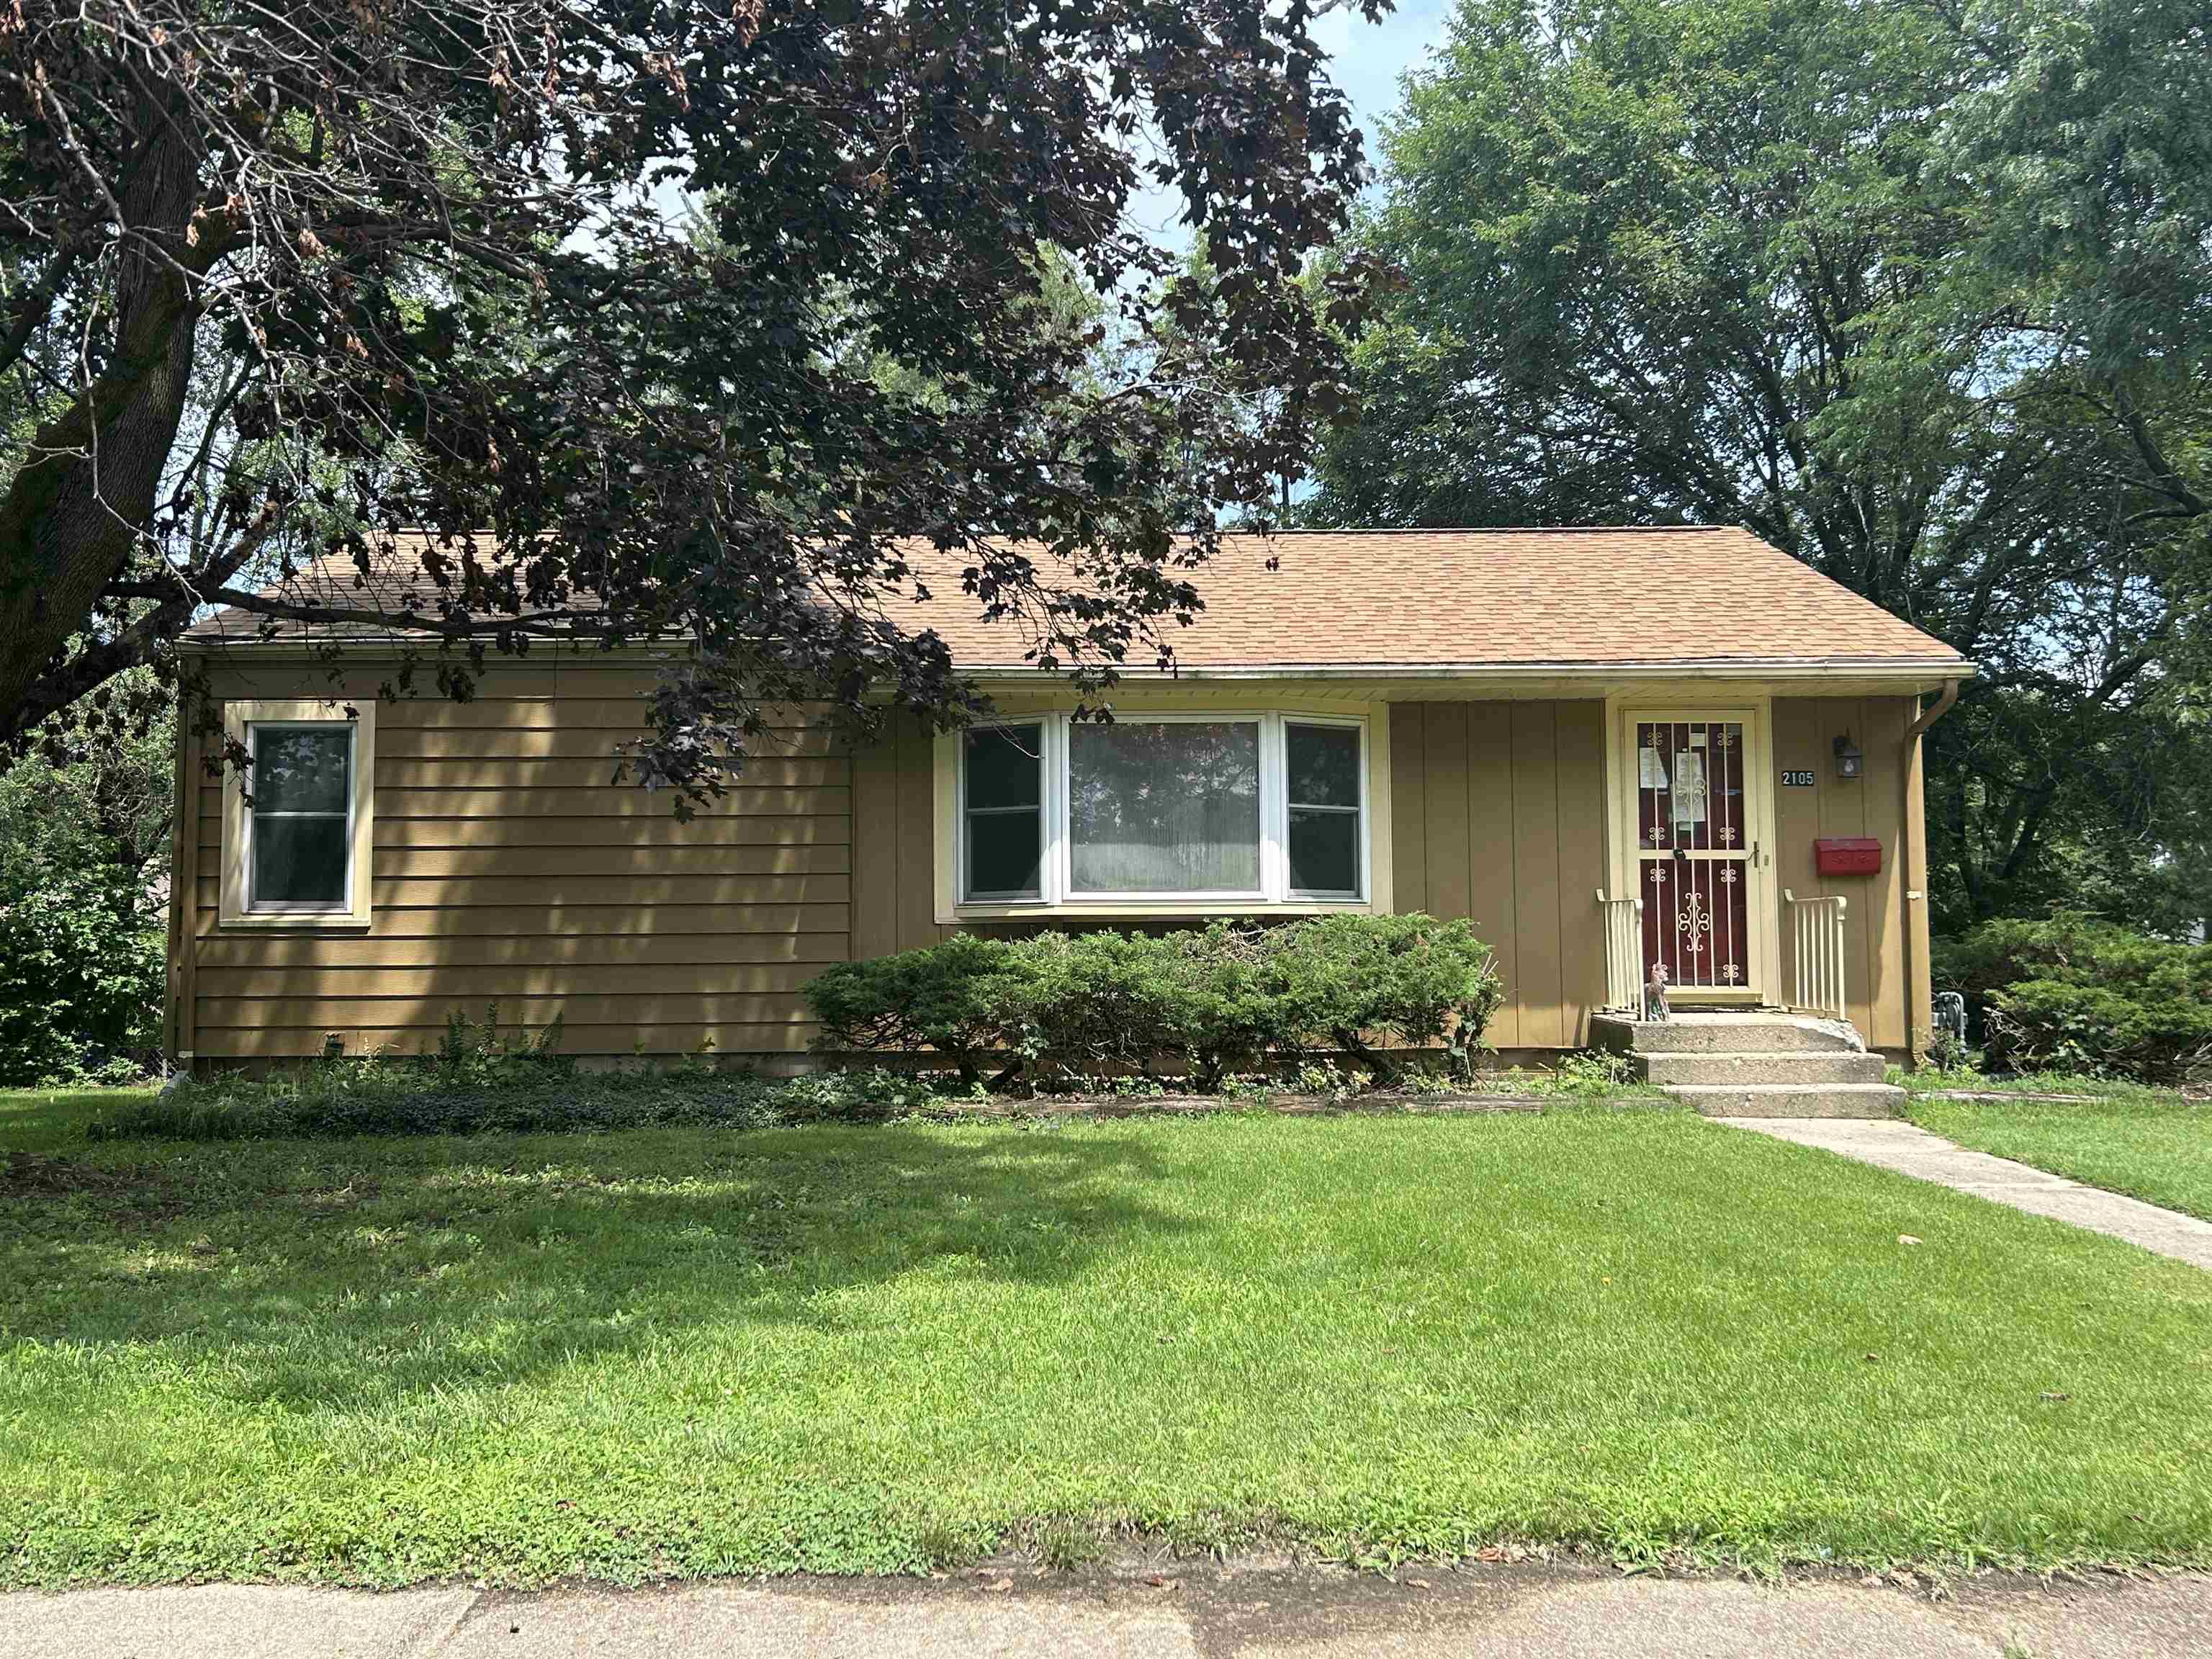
[[1847, 757]]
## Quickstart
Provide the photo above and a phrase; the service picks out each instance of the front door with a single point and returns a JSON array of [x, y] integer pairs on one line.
[[1696, 857]]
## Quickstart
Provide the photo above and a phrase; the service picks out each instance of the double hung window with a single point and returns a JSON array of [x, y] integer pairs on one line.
[[297, 826]]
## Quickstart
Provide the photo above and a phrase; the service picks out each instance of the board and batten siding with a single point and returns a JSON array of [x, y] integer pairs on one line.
[[1498, 814], [510, 868], [1885, 928]]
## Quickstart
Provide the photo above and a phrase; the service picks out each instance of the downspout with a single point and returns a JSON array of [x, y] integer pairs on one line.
[[1911, 830]]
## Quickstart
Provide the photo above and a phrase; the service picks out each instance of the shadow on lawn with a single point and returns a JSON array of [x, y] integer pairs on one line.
[[304, 1274]]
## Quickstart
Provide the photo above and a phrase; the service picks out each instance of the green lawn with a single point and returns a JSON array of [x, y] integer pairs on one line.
[[2151, 1144], [48, 1119], [870, 1349]]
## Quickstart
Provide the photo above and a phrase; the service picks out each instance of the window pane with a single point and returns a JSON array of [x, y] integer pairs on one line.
[[1324, 764], [1003, 855], [1324, 851], [1003, 766], [1164, 806], [298, 860], [300, 769]]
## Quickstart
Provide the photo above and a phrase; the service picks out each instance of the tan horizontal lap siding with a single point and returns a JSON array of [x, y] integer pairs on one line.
[[525, 951], [505, 772], [1497, 815], [642, 838], [556, 921], [626, 893], [476, 743], [510, 869], [727, 1037], [555, 980]]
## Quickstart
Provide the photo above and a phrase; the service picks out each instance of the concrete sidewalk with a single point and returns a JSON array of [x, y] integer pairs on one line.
[[1925, 1157], [1478, 1612]]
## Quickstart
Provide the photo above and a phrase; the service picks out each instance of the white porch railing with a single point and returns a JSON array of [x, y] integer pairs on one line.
[[1624, 954], [1817, 926]]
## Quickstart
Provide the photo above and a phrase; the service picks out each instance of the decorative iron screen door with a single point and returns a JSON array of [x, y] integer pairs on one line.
[[1693, 854]]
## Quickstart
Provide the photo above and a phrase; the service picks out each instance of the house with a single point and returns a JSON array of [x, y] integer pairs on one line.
[[1615, 751]]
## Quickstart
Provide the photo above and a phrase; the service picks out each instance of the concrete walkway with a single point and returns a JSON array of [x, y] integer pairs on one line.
[[1914, 1151], [1478, 1612]]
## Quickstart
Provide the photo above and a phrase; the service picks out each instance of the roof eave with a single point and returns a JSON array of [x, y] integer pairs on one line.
[[1931, 670], [1928, 672]]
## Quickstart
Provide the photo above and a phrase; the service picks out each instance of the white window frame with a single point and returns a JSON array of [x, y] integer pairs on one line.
[[241, 719], [1056, 871]]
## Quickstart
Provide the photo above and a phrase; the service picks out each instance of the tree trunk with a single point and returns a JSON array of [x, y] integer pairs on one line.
[[85, 493]]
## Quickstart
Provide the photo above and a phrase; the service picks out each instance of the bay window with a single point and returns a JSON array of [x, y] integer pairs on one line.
[[1182, 810]]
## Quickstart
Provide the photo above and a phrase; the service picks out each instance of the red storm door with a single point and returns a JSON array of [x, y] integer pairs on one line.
[[1693, 854]]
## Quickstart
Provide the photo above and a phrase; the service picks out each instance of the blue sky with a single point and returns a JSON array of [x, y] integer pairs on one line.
[[1366, 59]]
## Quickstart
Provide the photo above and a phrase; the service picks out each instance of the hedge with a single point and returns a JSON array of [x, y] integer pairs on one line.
[[1059, 1008], [2071, 992]]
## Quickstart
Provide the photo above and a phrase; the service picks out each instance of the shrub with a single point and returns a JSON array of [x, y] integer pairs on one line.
[[950, 999], [2072, 948], [1410, 979], [80, 984], [2046, 1024], [1087, 1005], [2073, 992], [1059, 1006]]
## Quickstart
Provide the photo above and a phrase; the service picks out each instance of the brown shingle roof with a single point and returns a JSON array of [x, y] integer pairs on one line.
[[1422, 599], [1479, 598]]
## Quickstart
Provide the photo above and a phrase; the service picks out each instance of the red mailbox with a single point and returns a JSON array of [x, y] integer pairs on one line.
[[1849, 855]]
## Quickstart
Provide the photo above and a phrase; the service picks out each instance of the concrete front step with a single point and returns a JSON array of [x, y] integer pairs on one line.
[[1758, 1070], [1792, 1099], [1730, 1034]]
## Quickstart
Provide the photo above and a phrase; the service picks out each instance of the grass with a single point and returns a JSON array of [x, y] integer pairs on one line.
[[52, 1119], [1965, 1079], [849, 1349], [2154, 1144]]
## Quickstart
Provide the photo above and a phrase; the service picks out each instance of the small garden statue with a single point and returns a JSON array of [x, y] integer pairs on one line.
[[1655, 993]]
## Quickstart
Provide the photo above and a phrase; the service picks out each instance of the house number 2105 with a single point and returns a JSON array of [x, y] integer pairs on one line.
[[1796, 780]]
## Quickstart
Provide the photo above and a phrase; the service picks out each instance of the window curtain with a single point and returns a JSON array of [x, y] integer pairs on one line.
[[1164, 806]]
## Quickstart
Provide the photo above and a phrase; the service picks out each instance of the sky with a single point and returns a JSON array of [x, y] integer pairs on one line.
[[1366, 60]]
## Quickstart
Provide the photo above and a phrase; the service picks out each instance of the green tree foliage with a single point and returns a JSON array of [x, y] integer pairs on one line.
[[85, 816], [276, 280], [1921, 293], [2070, 992]]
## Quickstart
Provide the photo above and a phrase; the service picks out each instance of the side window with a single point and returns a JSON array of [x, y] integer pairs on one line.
[[301, 852], [1321, 786], [1002, 812], [299, 826]]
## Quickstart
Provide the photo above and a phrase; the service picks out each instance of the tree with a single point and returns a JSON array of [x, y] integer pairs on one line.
[[91, 795], [279, 281], [85, 817], [1920, 294]]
